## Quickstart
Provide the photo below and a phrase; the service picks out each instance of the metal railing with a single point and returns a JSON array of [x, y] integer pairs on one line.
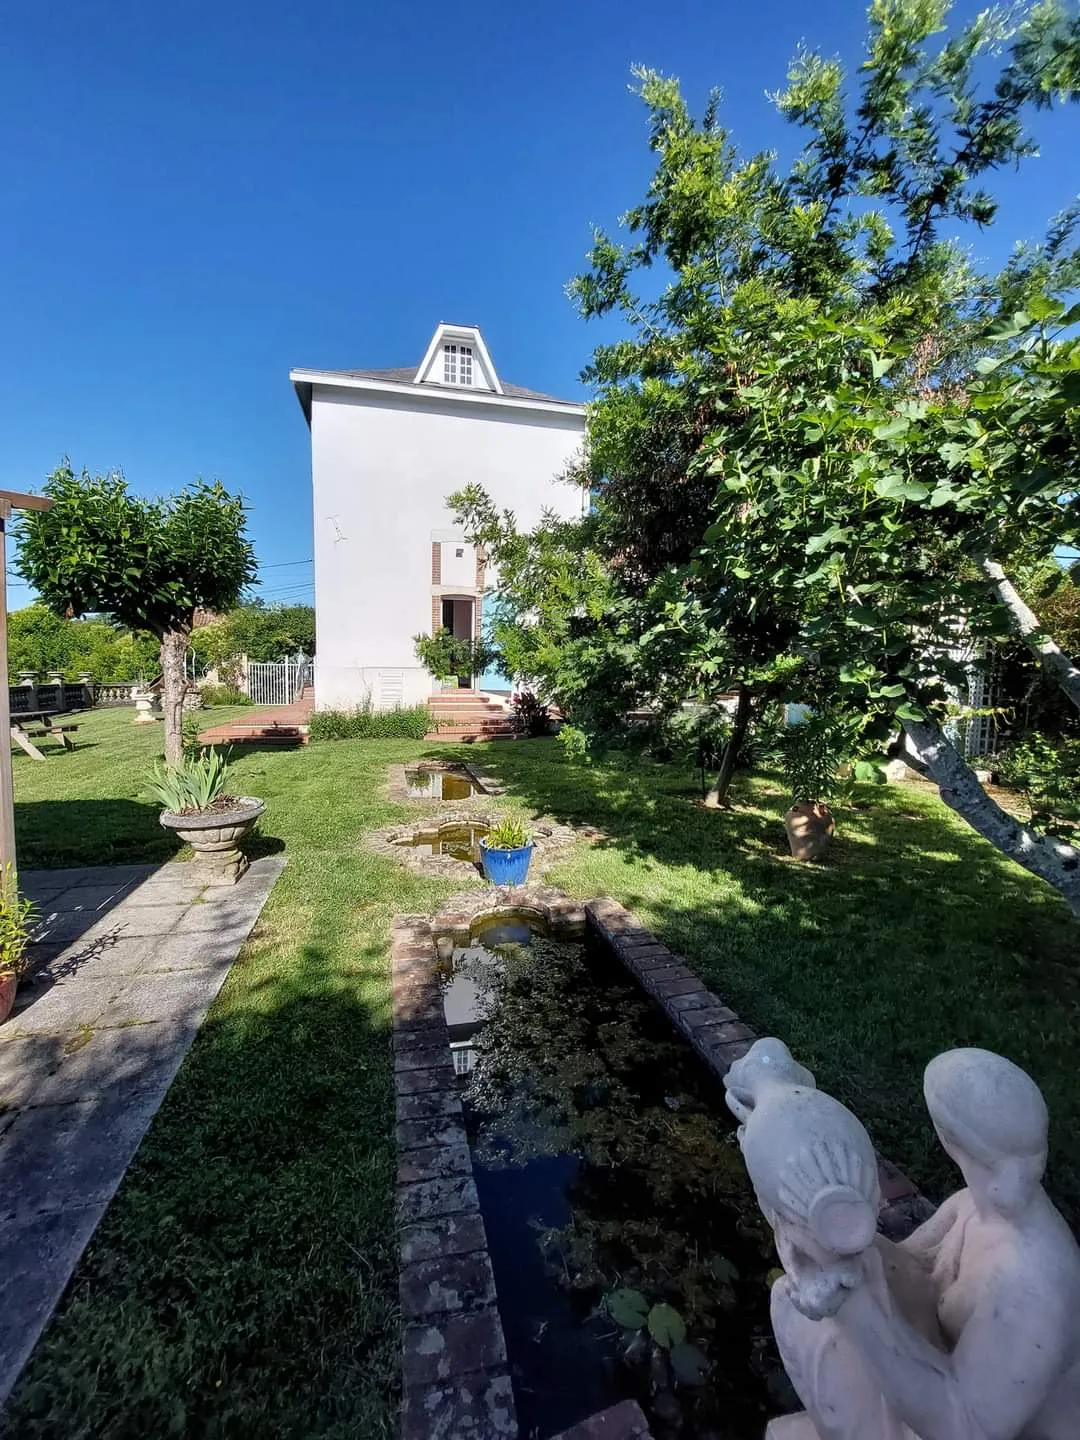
[[278, 682]]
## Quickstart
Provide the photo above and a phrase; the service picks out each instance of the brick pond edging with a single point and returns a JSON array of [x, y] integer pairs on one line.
[[455, 1371], [454, 1366], [720, 1037]]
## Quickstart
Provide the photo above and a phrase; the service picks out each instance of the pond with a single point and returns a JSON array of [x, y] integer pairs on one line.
[[427, 782], [630, 1258], [459, 841]]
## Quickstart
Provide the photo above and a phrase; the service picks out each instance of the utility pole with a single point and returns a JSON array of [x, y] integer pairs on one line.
[[9, 500]]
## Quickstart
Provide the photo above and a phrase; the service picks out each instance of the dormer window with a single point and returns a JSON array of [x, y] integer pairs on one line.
[[457, 364]]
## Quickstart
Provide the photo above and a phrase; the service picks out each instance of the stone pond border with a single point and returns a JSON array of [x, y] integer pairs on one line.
[[398, 791], [551, 840], [455, 1372]]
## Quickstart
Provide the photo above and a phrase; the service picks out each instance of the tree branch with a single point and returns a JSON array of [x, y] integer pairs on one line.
[[1025, 622], [1052, 860]]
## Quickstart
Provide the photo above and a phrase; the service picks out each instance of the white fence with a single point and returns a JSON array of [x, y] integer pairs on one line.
[[278, 682]]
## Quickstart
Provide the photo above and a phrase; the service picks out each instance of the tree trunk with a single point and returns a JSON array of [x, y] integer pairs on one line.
[[1026, 624], [1052, 860], [717, 796], [174, 645]]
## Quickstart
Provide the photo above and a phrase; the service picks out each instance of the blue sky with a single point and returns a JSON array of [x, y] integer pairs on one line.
[[200, 196]]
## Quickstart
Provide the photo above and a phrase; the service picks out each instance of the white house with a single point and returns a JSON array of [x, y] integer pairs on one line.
[[387, 447]]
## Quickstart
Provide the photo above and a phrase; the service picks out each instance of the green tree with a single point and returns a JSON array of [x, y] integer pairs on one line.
[[822, 439], [150, 564], [40, 640]]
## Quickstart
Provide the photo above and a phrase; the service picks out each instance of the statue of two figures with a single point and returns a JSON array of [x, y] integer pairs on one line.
[[967, 1330]]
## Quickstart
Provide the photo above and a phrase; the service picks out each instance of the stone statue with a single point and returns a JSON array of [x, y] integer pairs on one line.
[[969, 1329]]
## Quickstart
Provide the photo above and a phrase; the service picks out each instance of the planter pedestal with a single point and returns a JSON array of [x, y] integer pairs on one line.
[[216, 839]]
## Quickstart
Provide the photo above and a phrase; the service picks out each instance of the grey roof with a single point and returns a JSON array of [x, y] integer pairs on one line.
[[406, 374]]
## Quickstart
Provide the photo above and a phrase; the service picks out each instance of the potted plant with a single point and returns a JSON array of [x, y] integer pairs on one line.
[[15, 918], [450, 659], [505, 853], [809, 761], [196, 805]]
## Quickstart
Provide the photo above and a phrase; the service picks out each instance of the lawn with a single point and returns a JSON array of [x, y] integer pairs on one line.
[[243, 1282]]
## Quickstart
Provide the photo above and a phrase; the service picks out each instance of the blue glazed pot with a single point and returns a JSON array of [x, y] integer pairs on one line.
[[506, 867]]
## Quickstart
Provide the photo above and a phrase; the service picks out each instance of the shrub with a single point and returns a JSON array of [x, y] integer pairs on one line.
[[366, 723], [530, 715], [1047, 772], [575, 744], [16, 917], [224, 695], [507, 835], [192, 785]]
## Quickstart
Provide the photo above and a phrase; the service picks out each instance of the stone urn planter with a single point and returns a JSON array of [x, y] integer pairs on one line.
[[810, 826], [215, 837]]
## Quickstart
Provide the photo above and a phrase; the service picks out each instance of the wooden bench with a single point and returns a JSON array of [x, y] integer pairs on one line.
[[60, 730]]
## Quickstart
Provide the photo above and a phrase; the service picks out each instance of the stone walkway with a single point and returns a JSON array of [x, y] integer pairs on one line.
[[128, 959]]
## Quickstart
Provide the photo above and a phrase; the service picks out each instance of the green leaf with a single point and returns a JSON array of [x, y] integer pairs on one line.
[[880, 366], [689, 1365], [908, 711], [666, 1326], [774, 1275], [870, 772], [722, 1269], [892, 692], [628, 1308], [892, 429], [892, 487], [989, 363]]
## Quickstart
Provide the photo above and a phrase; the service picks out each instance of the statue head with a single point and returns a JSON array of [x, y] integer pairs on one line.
[[992, 1120], [767, 1062], [815, 1175]]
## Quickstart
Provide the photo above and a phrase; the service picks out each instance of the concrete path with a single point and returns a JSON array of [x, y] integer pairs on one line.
[[128, 958]]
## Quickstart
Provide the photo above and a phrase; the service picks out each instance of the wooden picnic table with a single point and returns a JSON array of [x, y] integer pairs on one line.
[[41, 722]]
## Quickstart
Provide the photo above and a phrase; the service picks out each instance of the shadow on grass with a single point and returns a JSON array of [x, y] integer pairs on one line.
[[57, 834], [243, 1280], [913, 935]]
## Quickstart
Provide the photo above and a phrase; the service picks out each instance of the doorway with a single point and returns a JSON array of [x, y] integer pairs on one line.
[[457, 617]]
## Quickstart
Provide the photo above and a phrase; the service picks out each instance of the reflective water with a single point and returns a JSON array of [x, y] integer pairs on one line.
[[440, 785], [462, 842], [606, 1162]]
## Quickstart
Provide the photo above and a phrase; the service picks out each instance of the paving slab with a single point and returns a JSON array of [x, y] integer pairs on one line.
[[120, 987]]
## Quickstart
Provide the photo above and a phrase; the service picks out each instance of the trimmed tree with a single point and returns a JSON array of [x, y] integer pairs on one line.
[[150, 564]]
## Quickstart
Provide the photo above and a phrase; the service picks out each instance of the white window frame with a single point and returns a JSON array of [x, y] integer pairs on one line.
[[457, 363]]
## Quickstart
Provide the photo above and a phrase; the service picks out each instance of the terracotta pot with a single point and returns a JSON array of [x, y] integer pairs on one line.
[[215, 838], [810, 827], [9, 983]]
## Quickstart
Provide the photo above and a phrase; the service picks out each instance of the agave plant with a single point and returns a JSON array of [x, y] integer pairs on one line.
[[508, 835], [194, 784]]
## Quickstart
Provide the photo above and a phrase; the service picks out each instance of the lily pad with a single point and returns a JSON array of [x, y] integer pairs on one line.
[[628, 1308], [722, 1269], [666, 1326], [689, 1365]]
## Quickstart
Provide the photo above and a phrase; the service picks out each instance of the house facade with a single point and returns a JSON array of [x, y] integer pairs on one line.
[[387, 448]]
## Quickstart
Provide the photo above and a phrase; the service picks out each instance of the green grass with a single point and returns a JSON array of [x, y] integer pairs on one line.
[[243, 1283]]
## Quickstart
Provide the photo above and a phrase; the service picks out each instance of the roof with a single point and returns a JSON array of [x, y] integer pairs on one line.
[[419, 379], [406, 375]]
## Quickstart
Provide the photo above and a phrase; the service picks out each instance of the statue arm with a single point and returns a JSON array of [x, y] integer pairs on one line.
[[923, 1242], [992, 1384]]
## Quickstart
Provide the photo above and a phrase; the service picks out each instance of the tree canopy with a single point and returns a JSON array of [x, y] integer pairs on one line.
[[149, 564], [823, 442]]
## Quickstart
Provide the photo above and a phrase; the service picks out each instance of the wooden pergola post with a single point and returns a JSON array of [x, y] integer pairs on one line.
[[9, 500]]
